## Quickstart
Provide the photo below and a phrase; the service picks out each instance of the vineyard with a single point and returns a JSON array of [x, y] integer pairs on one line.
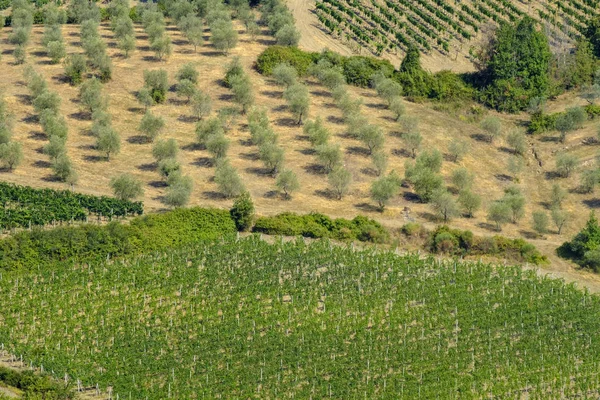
[[24, 207], [246, 319], [448, 28]]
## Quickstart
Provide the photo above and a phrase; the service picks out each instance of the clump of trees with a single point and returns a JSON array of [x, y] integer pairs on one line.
[[122, 26], [53, 39], [47, 104], [154, 25], [224, 37], [11, 152], [280, 22]]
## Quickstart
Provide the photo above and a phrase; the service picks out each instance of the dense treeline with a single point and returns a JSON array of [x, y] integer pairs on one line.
[[24, 206], [35, 386]]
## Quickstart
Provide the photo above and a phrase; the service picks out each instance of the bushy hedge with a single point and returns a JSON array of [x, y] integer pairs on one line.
[[321, 226], [30, 249], [358, 71], [463, 243], [35, 386], [541, 123]]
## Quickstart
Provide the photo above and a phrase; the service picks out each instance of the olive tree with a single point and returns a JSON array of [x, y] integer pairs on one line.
[[285, 75], [228, 180], [179, 191], [165, 149], [470, 202], [108, 142], [201, 104], [384, 189], [223, 35], [288, 35], [242, 91], [492, 126], [287, 181], [339, 181], [566, 164], [298, 100], [151, 126], [329, 156], [444, 205], [316, 131], [126, 187], [540, 222], [457, 149], [11, 154], [272, 156]]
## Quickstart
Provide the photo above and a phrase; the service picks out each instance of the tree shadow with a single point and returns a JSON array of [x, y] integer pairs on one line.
[[402, 153], [226, 97], [506, 150], [138, 139], [529, 234], [245, 142], [592, 203], [335, 120], [271, 194], [590, 141], [551, 175], [37, 135], [553, 139], [273, 94], [31, 119], [288, 122], [212, 54], [81, 116], [369, 172], [427, 216], [503, 177], [147, 167], [136, 110], [94, 158], [188, 119], [211, 195], [320, 93], [411, 197], [480, 137], [326, 194], [194, 146], [359, 151], [24, 99], [150, 59], [367, 207], [280, 108], [315, 169], [158, 184], [488, 226], [42, 164], [61, 78], [51, 178], [307, 151], [204, 162], [260, 171], [143, 48], [376, 106], [86, 147], [250, 156], [179, 42]]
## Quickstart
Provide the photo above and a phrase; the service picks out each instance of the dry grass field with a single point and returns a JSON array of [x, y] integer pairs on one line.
[[488, 161]]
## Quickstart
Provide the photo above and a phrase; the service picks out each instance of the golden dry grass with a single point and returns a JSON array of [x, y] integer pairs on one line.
[[488, 161]]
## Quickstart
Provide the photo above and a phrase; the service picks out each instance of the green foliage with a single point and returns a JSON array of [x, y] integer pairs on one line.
[[592, 33], [540, 222], [126, 187], [35, 386], [157, 83], [228, 180], [75, 67], [242, 212], [287, 181], [339, 180], [298, 100], [444, 205], [470, 202], [580, 248], [566, 164], [288, 35], [384, 189], [463, 243], [316, 131], [223, 35], [457, 149], [285, 75], [151, 126], [179, 191], [518, 66], [321, 226], [499, 213], [32, 249], [492, 127]]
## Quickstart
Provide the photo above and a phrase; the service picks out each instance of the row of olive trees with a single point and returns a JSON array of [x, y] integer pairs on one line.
[[11, 152], [179, 186], [280, 22], [122, 26], [53, 39], [93, 102], [22, 22], [223, 35], [154, 25], [47, 106], [95, 49]]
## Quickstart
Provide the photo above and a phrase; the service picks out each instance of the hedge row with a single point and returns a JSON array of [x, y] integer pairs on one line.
[[32, 249], [541, 123], [463, 243], [358, 70], [35, 386], [321, 226]]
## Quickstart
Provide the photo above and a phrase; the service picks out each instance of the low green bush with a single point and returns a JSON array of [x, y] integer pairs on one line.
[[275, 55], [592, 110], [321, 226], [463, 243], [541, 123], [31, 249]]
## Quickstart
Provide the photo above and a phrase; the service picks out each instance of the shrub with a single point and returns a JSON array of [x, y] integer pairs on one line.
[[275, 55], [339, 180], [164, 149], [157, 82], [126, 187], [242, 212], [151, 126], [288, 182], [228, 180]]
